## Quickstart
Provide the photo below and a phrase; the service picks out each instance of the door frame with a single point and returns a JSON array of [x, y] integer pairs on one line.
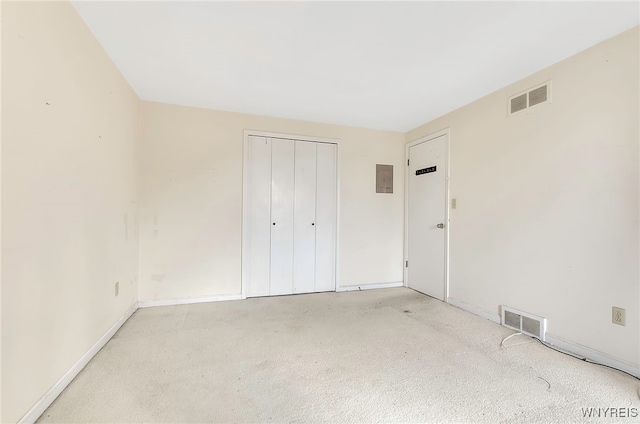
[[245, 168], [447, 204]]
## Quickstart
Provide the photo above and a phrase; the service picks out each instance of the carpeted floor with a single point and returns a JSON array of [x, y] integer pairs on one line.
[[390, 355]]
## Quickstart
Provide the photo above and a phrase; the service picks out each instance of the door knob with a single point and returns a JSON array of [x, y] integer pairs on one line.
[[274, 223], [439, 225], [313, 223]]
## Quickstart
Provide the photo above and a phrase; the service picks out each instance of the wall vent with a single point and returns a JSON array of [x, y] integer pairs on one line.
[[524, 322], [532, 97]]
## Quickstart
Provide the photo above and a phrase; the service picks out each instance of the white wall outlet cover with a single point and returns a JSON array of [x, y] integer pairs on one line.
[[618, 316]]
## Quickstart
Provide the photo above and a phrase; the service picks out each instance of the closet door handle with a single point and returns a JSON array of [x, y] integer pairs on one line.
[[274, 223], [313, 223]]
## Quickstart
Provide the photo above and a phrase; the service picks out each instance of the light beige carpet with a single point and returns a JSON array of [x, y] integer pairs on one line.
[[389, 355]]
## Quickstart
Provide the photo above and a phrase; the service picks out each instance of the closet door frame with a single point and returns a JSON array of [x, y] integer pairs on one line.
[[245, 227]]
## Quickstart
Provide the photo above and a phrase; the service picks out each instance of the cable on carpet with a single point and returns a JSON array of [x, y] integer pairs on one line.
[[507, 338], [549, 384], [573, 355], [582, 358]]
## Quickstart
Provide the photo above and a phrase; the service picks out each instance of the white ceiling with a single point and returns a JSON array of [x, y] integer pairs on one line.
[[383, 65]]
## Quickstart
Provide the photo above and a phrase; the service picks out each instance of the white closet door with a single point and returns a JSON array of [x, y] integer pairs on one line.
[[258, 219], [282, 186], [304, 216], [326, 217]]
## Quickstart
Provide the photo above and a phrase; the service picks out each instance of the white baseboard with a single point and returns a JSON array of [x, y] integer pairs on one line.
[[371, 286], [474, 310], [45, 401], [187, 300], [593, 355]]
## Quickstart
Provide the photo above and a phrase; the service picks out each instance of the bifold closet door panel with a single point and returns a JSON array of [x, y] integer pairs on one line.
[[326, 216], [304, 217], [282, 186], [258, 219]]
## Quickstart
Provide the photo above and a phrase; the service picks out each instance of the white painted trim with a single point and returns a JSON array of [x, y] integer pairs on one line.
[[337, 262], [245, 161], [593, 355], [188, 300], [447, 212], [268, 134], [371, 286], [447, 133], [405, 268], [474, 310], [45, 401], [245, 235]]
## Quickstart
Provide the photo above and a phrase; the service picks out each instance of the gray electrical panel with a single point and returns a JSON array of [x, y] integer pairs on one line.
[[384, 178]]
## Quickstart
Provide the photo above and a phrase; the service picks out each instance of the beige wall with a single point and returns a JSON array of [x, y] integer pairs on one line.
[[547, 200], [191, 200], [547, 218], [69, 134]]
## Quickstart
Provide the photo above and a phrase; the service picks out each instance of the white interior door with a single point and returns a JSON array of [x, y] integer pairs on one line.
[[258, 216], [282, 197], [304, 217], [427, 203], [326, 216]]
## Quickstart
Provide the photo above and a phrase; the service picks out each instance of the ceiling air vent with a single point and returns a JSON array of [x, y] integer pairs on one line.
[[533, 96], [524, 322]]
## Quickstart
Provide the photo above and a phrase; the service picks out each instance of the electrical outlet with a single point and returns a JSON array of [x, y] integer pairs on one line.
[[618, 316], [117, 288]]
